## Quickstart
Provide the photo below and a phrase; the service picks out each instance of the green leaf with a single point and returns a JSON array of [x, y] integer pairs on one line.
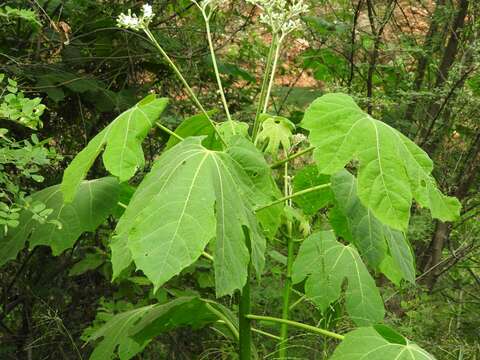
[[94, 201], [306, 178], [126, 334], [368, 234], [379, 343], [326, 263], [90, 262], [275, 131], [196, 125], [191, 196], [122, 140], [392, 170]]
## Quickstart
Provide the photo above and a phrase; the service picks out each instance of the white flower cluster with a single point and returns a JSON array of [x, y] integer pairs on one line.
[[133, 22], [281, 16]]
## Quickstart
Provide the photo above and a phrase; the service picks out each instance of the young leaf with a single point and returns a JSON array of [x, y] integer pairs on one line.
[[378, 343], [368, 234], [275, 131], [94, 201], [191, 196], [393, 170], [326, 263], [122, 140]]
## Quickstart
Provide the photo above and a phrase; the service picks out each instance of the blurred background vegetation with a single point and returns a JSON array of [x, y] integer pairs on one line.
[[68, 71]]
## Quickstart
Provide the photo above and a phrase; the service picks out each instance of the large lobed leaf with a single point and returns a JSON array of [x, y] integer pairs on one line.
[[126, 334], [122, 140], [378, 343], [326, 263], [192, 196], [393, 170], [94, 201], [375, 241]]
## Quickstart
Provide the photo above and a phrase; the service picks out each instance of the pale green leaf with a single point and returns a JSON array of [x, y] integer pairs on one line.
[[191, 196], [326, 263], [376, 343], [368, 234], [229, 129], [392, 170], [122, 140], [275, 131], [93, 202]]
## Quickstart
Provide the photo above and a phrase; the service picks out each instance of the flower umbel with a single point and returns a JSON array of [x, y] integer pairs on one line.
[[279, 15], [133, 22]]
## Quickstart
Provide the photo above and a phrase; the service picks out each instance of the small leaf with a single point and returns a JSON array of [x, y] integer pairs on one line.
[[378, 343], [275, 131], [326, 263], [90, 262], [122, 140], [392, 169]]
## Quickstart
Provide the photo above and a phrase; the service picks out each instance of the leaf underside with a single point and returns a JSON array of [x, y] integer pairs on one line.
[[392, 169], [122, 140], [326, 264], [94, 201]]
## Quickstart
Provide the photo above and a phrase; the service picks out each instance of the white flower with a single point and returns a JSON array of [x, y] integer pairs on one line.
[[279, 15], [147, 11], [132, 21]]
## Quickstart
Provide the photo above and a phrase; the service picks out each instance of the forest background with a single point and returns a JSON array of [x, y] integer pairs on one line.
[[68, 70]]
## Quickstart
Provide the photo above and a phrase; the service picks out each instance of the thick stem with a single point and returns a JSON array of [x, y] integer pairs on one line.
[[306, 327], [215, 67], [225, 320], [244, 323], [177, 72], [268, 68], [294, 195]]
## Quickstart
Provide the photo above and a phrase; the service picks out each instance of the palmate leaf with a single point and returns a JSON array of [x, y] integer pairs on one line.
[[275, 131], [122, 140], [366, 232], [326, 263], [393, 170], [93, 202], [192, 196], [378, 343], [126, 334]]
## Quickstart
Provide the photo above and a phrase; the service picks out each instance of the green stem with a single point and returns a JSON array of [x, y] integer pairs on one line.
[[168, 131], [291, 157], [288, 280], [261, 332], [244, 323], [207, 255], [182, 79], [272, 75], [294, 195], [215, 66], [266, 74], [310, 328], [226, 320]]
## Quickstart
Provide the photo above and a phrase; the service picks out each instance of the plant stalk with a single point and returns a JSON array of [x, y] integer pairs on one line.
[[182, 79], [294, 195], [272, 75], [291, 157], [215, 67], [268, 68], [309, 328], [244, 323], [288, 279]]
